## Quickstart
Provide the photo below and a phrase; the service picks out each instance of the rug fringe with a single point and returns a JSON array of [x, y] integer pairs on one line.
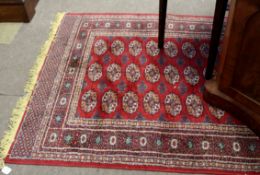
[[18, 111]]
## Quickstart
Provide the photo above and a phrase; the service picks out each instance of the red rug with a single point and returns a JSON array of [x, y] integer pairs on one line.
[[107, 97]]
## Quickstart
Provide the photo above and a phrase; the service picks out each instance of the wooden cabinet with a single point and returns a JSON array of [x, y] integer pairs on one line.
[[237, 85], [17, 10]]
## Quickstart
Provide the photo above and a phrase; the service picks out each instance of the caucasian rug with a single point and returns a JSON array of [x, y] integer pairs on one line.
[[103, 95]]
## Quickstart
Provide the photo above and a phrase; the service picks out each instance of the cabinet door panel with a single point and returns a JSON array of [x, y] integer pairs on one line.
[[240, 75], [236, 88], [247, 72]]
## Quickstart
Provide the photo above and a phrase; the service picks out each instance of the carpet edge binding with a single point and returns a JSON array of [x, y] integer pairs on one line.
[[20, 107]]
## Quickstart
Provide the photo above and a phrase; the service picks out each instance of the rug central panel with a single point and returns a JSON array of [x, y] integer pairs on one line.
[[128, 78]]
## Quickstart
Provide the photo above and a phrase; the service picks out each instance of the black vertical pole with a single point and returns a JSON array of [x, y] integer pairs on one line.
[[162, 19], [219, 16]]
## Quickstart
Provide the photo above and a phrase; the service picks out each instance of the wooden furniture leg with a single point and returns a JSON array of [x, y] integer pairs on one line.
[[162, 19], [17, 10], [220, 10], [236, 87]]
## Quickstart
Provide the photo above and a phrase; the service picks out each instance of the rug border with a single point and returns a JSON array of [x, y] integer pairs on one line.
[[123, 167], [19, 111], [145, 14]]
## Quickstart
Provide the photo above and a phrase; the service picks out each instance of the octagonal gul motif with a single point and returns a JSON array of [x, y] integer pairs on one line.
[[152, 73], [173, 104], [113, 72], [94, 72], [194, 105], [130, 102], [151, 102], [152, 48], [188, 50], [100, 47], [191, 75], [218, 113], [170, 49], [204, 50], [132, 73], [135, 48], [109, 102], [117, 47], [89, 101], [171, 74]]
